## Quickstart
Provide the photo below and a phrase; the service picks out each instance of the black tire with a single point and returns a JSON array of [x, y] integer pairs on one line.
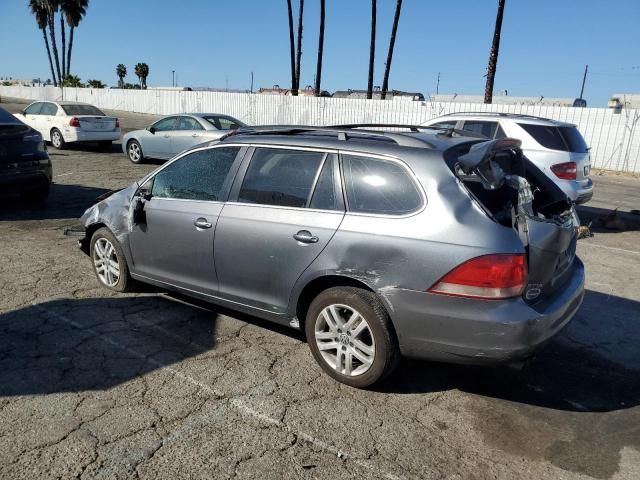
[[131, 145], [105, 146], [57, 140], [124, 281], [366, 303]]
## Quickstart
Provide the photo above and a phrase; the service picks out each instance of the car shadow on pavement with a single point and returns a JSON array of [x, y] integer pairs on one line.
[[574, 372], [604, 220], [72, 345], [64, 201]]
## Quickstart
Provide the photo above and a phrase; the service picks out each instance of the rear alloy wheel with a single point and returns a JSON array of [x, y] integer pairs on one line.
[[351, 336], [134, 151], [57, 140], [109, 263]]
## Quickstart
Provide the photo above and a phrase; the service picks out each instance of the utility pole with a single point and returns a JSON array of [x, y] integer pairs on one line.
[[173, 78], [438, 84], [584, 79], [251, 82]]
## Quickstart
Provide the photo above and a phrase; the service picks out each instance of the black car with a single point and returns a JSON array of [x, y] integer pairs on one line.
[[25, 167]]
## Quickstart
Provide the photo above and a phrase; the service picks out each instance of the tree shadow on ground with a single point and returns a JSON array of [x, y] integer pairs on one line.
[[592, 215]]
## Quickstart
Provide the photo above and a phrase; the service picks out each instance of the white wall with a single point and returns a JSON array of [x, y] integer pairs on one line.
[[614, 137]]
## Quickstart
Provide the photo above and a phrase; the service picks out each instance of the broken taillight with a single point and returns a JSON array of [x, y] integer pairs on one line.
[[74, 122], [565, 171], [117, 123], [490, 277]]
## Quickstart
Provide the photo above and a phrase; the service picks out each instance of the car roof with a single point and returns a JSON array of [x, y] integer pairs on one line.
[[516, 117], [8, 119]]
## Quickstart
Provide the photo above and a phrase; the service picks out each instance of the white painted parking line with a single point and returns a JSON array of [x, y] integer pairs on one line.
[[239, 404], [616, 249], [63, 175]]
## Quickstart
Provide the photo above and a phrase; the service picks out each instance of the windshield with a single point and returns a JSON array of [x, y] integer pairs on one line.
[[81, 110]]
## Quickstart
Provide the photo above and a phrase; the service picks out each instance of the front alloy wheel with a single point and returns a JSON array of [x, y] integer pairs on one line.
[[105, 261], [134, 151]]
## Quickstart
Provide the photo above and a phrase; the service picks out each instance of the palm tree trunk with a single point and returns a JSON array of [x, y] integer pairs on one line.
[[493, 54], [372, 49], [71, 29], [293, 49], [46, 43], [320, 49], [299, 52], [62, 35], [54, 46], [392, 41]]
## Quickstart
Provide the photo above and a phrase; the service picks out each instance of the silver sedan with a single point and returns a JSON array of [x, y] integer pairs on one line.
[[173, 134]]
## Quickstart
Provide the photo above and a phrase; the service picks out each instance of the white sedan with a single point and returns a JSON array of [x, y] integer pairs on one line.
[[65, 122]]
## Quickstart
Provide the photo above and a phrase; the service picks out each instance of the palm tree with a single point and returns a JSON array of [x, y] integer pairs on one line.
[[392, 41], [320, 49], [73, 11], [41, 14], [72, 81], [493, 54], [95, 84], [299, 52], [372, 49], [292, 46], [142, 72], [121, 72], [52, 7]]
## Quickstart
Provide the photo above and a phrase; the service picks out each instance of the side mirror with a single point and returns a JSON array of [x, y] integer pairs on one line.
[[152, 130]]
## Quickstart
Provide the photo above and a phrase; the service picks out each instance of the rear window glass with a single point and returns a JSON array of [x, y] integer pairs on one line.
[[573, 139], [379, 186], [547, 136], [280, 177], [82, 110]]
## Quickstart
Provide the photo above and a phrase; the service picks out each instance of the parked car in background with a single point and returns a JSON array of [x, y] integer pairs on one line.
[[375, 244], [175, 133], [62, 123], [25, 167], [556, 148]]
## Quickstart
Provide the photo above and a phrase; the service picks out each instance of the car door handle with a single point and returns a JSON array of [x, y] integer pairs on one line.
[[202, 223], [195, 135], [305, 236]]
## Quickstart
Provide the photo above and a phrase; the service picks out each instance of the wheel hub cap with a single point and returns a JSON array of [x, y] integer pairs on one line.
[[105, 261]]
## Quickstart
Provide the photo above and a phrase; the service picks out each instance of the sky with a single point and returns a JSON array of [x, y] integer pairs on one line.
[[218, 43]]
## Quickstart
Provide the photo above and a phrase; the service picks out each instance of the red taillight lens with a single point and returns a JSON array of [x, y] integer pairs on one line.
[[117, 123], [74, 122], [491, 277], [565, 171]]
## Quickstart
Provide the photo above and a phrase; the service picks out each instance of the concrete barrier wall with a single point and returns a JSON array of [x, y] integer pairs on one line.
[[614, 138]]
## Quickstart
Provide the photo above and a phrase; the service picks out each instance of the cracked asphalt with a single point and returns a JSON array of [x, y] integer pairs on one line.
[[154, 386]]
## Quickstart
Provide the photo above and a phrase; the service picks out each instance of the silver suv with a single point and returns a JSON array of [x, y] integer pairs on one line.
[[556, 148], [375, 244]]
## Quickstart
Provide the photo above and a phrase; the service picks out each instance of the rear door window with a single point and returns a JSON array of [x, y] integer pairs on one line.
[[188, 123], [197, 176], [574, 139], [546, 135], [325, 196], [447, 124], [379, 186], [280, 177], [48, 109], [488, 129]]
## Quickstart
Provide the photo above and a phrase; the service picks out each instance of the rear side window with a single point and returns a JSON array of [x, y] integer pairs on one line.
[[324, 195], [196, 176], [379, 186], [449, 124], [280, 177], [34, 109], [546, 135], [488, 129], [48, 109], [574, 140], [188, 123]]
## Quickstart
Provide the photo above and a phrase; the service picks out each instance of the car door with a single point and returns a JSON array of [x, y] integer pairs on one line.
[[158, 144], [284, 208], [31, 116], [172, 241], [47, 118], [188, 133]]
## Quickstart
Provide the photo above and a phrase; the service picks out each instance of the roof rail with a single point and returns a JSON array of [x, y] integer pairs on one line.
[[341, 132], [448, 131], [497, 114]]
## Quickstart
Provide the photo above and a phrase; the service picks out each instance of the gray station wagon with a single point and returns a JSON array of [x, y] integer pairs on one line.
[[376, 244]]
